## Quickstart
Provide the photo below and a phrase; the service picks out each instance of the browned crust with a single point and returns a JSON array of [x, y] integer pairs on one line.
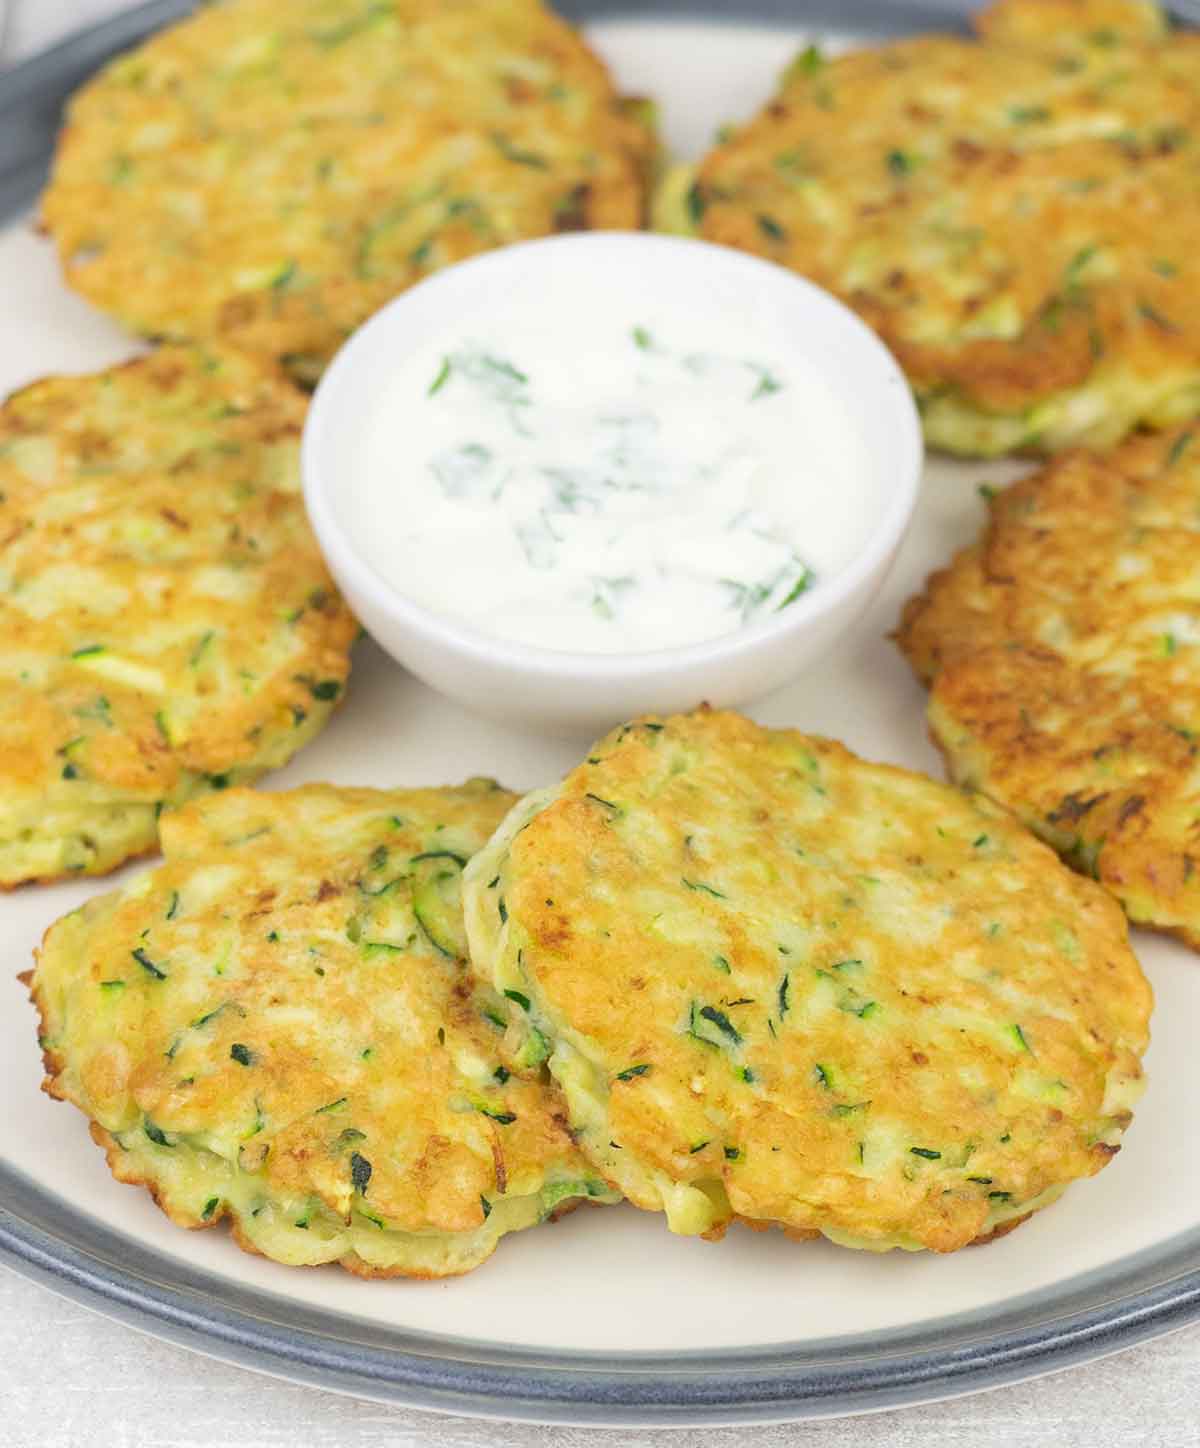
[[119, 1165], [802, 1234], [845, 120], [595, 176], [1051, 692], [1001, 1230], [125, 1168], [1182, 933]]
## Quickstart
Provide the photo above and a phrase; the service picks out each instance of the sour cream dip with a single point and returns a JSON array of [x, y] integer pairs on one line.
[[607, 480], [575, 480]]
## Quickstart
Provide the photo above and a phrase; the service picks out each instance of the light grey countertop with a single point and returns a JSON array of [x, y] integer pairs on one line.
[[69, 1377]]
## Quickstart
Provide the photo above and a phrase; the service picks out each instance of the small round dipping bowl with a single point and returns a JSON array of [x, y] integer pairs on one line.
[[564, 691]]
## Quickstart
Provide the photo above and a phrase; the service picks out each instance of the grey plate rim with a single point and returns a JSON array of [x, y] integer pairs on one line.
[[54, 1243]]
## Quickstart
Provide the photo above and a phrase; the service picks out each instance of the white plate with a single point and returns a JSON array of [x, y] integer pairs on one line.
[[610, 1284]]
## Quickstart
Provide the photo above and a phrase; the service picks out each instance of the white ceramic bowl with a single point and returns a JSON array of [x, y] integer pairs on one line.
[[566, 691]]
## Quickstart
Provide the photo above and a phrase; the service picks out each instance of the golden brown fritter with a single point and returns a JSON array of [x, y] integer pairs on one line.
[[789, 985], [279, 1026], [1063, 651], [1017, 216], [270, 174], [167, 624]]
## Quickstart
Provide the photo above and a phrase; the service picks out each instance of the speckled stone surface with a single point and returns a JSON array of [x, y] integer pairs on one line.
[[69, 1377]]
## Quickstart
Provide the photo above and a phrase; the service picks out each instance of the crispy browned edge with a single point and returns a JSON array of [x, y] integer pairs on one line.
[[54, 1065], [899, 636]]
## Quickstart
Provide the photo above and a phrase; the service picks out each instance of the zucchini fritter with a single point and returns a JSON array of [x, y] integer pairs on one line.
[[271, 173], [791, 986], [278, 1026], [1017, 216], [1063, 651], [167, 624]]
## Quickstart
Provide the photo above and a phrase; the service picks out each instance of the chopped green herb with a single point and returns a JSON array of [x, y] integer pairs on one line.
[[801, 585], [715, 1019], [701, 888], [925, 1151], [632, 1071], [241, 1054], [768, 384], [1152, 315], [459, 860], [502, 1118], [360, 1173], [516, 154], [325, 689], [201, 647], [696, 203], [520, 999], [147, 964], [809, 61], [442, 378]]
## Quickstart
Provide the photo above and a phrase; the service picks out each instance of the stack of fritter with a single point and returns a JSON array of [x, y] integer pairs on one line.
[[772, 982], [278, 1026]]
